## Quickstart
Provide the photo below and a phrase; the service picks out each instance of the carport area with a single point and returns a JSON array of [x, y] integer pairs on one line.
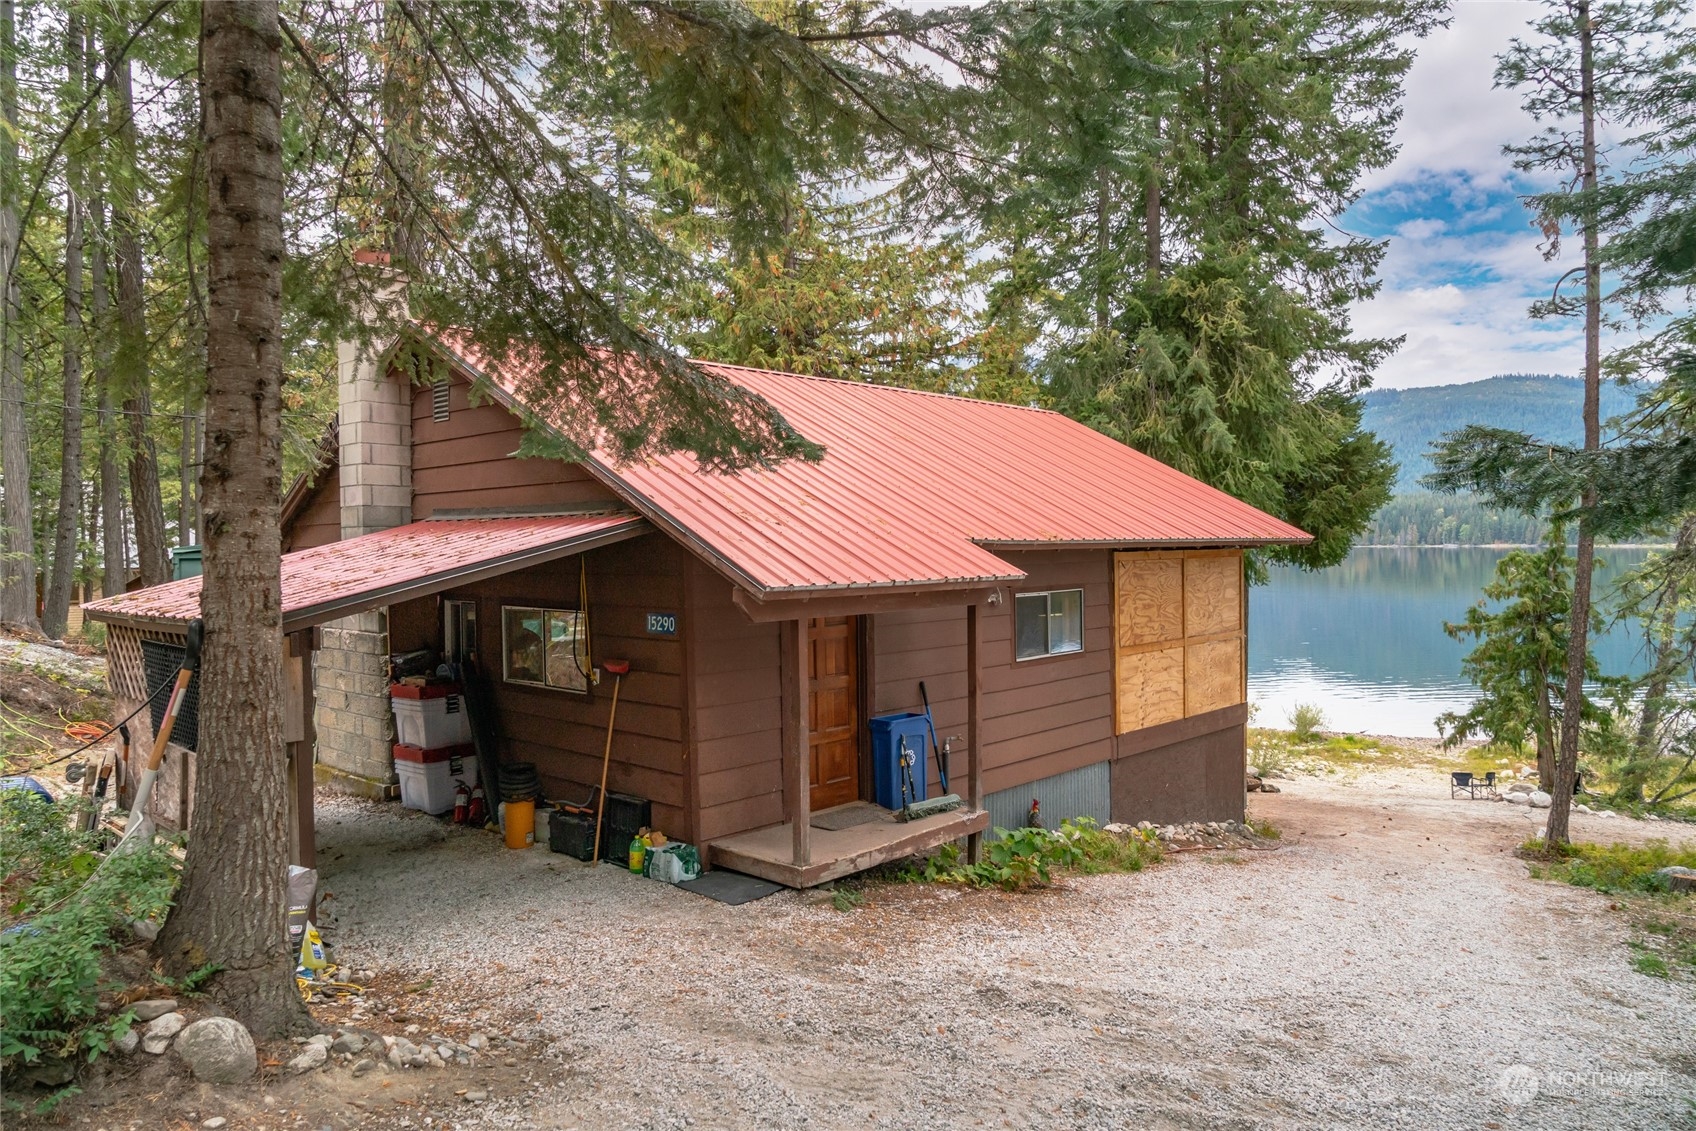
[[319, 586]]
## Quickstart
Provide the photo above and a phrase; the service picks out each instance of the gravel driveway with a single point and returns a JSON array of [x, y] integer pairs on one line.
[[1384, 968]]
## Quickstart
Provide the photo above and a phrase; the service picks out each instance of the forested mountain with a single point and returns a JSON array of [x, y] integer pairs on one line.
[[1542, 404], [1411, 420]]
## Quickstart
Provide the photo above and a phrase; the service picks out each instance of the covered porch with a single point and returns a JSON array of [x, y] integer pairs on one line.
[[807, 848], [769, 853]]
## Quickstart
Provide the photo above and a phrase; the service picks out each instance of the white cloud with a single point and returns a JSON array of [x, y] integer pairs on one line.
[[1454, 120]]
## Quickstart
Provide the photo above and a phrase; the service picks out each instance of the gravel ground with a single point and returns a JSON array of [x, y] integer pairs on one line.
[[1382, 969]]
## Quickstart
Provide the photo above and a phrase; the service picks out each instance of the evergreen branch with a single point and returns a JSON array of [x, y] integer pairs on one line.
[[94, 94]]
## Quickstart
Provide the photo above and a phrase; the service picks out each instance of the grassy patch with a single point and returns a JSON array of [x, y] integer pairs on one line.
[[846, 899], [1647, 962], [1609, 868], [1263, 828], [1662, 925]]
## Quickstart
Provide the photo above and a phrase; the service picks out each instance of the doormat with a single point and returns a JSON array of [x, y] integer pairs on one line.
[[849, 815], [730, 887]]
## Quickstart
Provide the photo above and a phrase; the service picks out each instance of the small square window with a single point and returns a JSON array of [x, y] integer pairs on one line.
[[542, 647], [1048, 624]]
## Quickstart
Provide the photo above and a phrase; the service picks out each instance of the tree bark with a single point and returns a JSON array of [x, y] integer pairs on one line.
[[17, 555], [230, 909], [114, 551], [130, 365], [1578, 640], [56, 607]]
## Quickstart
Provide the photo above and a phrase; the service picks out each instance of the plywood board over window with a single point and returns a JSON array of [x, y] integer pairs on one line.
[[1179, 635]]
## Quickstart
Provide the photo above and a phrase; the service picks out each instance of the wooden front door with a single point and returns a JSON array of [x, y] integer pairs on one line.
[[833, 710]]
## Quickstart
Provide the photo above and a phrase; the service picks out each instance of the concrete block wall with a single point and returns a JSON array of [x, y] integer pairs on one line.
[[353, 718]]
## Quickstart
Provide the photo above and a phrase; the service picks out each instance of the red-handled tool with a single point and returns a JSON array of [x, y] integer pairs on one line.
[[144, 788], [619, 669]]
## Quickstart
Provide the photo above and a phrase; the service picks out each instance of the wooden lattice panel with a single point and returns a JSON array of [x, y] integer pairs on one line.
[[125, 670], [1150, 598], [1151, 688], [1213, 595], [1213, 675]]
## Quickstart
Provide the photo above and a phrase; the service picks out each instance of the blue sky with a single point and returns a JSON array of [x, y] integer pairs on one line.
[[1464, 261]]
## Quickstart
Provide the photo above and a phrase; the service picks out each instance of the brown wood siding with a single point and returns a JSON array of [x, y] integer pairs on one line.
[[563, 732], [927, 644], [319, 522], [1049, 715], [737, 701], [1040, 717], [466, 461]]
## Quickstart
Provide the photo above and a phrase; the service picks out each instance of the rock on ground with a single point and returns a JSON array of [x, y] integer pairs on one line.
[[311, 1057], [218, 1050]]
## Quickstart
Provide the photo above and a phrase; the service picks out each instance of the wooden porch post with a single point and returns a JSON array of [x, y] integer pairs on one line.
[[795, 754], [299, 740], [974, 725]]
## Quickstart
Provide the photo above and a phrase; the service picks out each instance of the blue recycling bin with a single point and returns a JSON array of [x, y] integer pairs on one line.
[[889, 733]]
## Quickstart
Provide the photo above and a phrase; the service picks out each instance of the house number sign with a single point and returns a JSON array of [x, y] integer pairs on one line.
[[662, 624]]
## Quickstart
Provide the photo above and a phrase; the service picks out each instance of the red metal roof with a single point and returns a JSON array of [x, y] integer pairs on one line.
[[913, 486], [415, 560]]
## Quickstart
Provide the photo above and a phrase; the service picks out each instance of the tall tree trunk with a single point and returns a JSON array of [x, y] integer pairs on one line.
[[230, 909], [130, 364], [1578, 641], [1151, 213], [56, 608], [114, 551], [17, 548]]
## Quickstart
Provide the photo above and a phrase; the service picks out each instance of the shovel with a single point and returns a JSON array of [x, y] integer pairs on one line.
[[144, 788]]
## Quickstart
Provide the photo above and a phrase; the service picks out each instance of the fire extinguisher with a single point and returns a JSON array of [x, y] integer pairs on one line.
[[479, 810], [461, 803]]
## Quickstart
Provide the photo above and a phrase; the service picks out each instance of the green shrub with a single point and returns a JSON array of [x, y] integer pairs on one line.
[[1023, 858], [59, 908], [1306, 721], [1611, 868]]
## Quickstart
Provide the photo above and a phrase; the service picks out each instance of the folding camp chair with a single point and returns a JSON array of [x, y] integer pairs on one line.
[[1488, 785], [1460, 781]]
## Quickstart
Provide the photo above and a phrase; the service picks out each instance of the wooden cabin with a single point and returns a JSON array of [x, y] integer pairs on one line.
[[1076, 612]]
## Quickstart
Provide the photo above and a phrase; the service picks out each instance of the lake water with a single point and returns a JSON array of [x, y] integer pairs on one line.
[[1364, 639]]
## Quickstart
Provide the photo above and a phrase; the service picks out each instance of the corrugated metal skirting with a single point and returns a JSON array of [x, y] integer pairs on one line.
[[1085, 792]]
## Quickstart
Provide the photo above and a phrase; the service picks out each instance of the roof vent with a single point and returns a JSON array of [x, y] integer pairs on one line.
[[439, 399]]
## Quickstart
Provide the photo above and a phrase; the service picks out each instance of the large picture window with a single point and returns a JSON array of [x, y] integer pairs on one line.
[[1049, 624], [543, 647]]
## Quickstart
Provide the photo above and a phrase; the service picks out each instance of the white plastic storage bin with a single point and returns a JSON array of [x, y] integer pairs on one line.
[[432, 723], [429, 778]]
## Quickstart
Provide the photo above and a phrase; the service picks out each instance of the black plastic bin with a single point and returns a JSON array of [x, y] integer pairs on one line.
[[572, 834], [625, 817]]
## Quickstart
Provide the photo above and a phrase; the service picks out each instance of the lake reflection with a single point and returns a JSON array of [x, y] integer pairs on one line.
[[1364, 639]]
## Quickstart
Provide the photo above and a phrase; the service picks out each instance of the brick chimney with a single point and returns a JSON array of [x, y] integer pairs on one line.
[[374, 419]]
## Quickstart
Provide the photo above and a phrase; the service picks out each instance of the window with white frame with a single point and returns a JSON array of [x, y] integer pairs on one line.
[[1048, 624], [543, 647]]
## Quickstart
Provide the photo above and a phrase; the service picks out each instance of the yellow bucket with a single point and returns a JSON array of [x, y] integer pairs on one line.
[[520, 823]]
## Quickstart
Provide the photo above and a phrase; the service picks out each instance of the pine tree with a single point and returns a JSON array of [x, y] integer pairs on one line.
[[1592, 61], [1166, 172]]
